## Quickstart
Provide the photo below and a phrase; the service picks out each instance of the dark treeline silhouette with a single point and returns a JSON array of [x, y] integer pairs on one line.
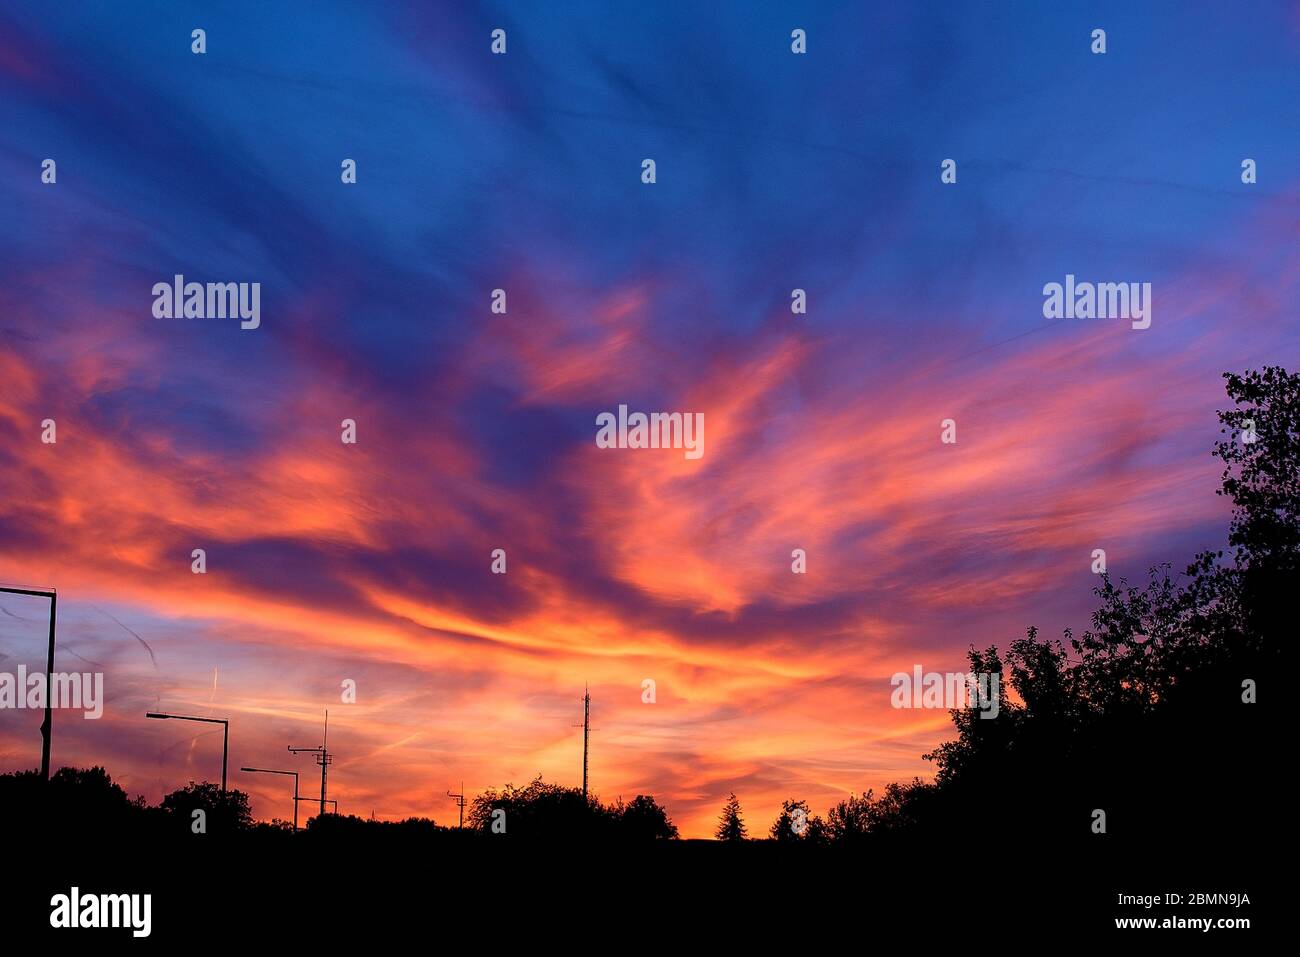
[[89, 799]]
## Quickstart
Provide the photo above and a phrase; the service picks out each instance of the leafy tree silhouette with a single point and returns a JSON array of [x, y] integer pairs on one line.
[[538, 810], [225, 812], [88, 788], [548, 811], [643, 819], [80, 800], [849, 821], [731, 827], [812, 829]]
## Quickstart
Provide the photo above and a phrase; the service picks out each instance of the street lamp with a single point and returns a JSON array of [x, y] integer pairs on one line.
[[48, 724], [295, 789], [225, 741]]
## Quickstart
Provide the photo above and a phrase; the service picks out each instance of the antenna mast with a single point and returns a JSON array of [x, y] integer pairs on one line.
[[323, 758], [586, 734], [460, 802]]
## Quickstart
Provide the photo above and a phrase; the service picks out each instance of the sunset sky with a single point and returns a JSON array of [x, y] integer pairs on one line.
[[775, 171]]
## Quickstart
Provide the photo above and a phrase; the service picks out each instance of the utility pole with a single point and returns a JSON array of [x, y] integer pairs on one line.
[[47, 726], [323, 758], [460, 803], [586, 734]]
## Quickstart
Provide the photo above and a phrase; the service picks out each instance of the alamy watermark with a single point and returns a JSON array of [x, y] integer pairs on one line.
[[75, 909], [655, 430], [79, 690], [1101, 300], [214, 300], [949, 690]]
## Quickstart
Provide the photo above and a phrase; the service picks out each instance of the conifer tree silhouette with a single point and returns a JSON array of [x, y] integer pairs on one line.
[[731, 827]]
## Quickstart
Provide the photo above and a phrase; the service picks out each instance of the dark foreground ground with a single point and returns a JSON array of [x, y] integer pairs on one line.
[[209, 894]]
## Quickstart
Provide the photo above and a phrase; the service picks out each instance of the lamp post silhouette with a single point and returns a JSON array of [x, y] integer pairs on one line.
[[225, 738], [295, 789], [47, 726]]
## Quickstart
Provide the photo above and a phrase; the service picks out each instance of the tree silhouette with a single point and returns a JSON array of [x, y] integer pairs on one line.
[[80, 800], [91, 788], [849, 821], [643, 819], [225, 812], [730, 826], [1262, 477], [549, 811], [538, 810], [797, 824], [1261, 472]]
